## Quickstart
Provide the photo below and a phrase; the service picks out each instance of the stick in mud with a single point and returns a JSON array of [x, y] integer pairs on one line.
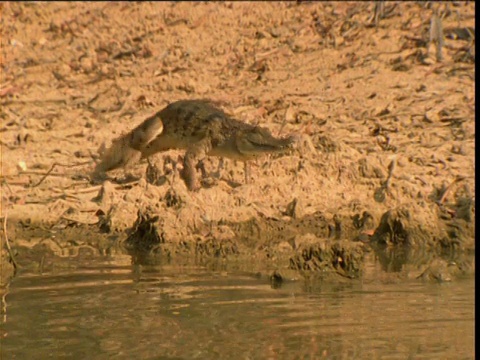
[[7, 244]]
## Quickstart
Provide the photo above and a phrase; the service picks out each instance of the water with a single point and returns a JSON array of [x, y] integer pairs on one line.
[[107, 308]]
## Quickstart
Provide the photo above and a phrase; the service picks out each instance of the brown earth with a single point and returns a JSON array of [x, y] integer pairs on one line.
[[386, 150]]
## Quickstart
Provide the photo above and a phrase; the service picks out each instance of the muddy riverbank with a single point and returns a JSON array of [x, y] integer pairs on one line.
[[385, 159]]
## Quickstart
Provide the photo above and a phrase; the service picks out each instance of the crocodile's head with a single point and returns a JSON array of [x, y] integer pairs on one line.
[[259, 141]]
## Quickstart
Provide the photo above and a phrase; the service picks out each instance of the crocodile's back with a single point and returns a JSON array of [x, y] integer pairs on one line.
[[191, 118], [186, 122]]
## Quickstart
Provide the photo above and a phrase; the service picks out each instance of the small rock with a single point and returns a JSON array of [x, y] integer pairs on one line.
[[431, 116], [22, 166], [284, 246], [87, 64], [104, 70], [64, 69], [106, 195]]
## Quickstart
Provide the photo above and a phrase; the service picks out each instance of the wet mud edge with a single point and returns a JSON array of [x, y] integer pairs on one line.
[[280, 244]]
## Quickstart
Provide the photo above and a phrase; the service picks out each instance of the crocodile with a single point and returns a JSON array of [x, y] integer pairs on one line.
[[198, 127]]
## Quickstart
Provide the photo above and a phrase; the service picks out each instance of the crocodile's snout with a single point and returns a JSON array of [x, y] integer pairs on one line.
[[260, 141]]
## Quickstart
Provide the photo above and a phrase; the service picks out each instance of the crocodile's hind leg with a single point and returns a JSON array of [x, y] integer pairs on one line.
[[145, 133]]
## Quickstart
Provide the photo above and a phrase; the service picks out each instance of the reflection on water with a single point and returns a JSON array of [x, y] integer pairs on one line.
[[110, 309]]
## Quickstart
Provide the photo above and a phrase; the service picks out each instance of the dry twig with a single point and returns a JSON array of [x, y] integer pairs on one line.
[[449, 189], [7, 244], [53, 167]]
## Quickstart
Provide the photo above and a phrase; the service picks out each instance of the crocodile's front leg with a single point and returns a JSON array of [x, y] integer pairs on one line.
[[194, 153]]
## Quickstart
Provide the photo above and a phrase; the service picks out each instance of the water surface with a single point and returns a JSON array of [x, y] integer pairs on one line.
[[107, 308]]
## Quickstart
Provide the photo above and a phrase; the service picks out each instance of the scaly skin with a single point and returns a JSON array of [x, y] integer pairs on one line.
[[200, 128], [127, 149]]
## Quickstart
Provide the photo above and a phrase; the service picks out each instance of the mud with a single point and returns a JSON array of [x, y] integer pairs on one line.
[[384, 161]]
